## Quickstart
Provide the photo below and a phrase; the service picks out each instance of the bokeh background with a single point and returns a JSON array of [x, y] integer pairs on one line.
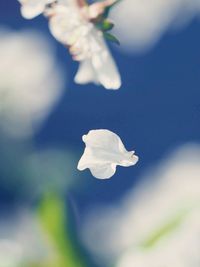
[[53, 215]]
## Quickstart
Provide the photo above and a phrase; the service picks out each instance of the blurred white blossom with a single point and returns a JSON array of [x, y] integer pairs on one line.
[[21, 240], [140, 23], [104, 151], [71, 24], [31, 81], [10, 253], [33, 8], [180, 248], [158, 223]]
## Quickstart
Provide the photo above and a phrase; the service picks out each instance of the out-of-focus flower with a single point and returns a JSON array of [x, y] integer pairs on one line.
[[10, 253], [21, 240], [30, 84], [104, 151], [33, 8], [140, 24], [158, 223], [73, 25], [179, 246]]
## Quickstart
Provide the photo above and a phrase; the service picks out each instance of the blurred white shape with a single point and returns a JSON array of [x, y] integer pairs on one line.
[[21, 240], [70, 25], [158, 223], [104, 151], [33, 8], [30, 81], [10, 253], [141, 23], [180, 248]]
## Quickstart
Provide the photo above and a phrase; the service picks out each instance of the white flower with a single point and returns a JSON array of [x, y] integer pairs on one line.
[[10, 253], [179, 247], [33, 8], [141, 24], [30, 83], [104, 151], [22, 240], [157, 224], [70, 24]]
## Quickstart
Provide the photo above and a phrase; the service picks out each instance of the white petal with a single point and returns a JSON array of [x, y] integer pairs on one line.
[[29, 12], [33, 8], [68, 3], [104, 138], [104, 151], [105, 171], [99, 168], [65, 24], [104, 65], [86, 73], [86, 160]]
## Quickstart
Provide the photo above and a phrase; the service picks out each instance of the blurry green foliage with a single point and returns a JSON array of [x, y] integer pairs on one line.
[[54, 220]]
